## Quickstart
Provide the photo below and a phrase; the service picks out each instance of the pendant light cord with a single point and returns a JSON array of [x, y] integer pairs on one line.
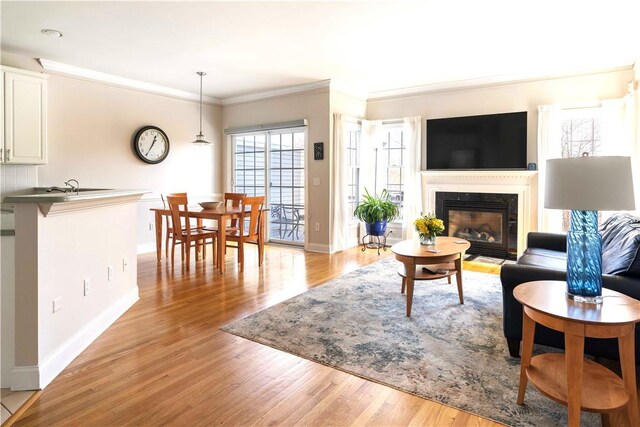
[[200, 137], [201, 74]]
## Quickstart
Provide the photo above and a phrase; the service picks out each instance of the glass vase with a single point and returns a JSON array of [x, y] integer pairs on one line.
[[428, 239]]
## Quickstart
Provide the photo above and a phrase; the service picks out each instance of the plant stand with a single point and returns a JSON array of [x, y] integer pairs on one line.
[[375, 242]]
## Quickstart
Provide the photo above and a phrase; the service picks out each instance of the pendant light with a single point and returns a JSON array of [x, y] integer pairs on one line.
[[200, 137]]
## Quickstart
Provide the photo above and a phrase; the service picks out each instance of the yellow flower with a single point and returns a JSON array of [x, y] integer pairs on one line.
[[428, 224]]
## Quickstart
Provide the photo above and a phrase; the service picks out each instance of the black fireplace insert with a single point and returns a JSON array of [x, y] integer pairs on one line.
[[488, 220]]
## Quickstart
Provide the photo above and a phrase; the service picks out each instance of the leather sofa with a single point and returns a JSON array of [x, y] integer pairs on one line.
[[545, 259]]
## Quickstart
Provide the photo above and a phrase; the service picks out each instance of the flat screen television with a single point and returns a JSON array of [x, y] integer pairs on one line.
[[494, 141]]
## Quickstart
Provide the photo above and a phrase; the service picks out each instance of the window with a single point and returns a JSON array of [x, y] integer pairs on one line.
[[353, 164], [249, 167], [390, 165], [580, 135]]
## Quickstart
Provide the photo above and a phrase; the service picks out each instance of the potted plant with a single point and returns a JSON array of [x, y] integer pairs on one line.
[[375, 211]]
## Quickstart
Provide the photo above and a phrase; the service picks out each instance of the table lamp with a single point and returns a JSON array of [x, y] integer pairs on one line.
[[586, 185]]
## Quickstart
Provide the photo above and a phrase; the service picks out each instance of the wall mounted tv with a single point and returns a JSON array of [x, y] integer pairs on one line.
[[494, 141]]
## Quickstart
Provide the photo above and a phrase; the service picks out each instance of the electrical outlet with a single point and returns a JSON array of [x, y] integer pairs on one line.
[[317, 226], [152, 226], [109, 273], [57, 304], [87, 287], [124, 264]]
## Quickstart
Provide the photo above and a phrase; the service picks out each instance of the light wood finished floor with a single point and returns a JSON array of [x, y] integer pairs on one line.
[[165, 362]]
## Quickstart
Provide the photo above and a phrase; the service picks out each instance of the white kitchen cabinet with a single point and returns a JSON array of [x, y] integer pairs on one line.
[[25, 117]]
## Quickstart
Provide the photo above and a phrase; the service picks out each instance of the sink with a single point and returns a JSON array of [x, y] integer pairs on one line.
[[43, 190], [41, 194]]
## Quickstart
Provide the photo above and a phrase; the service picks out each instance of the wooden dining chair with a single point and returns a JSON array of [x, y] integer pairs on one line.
[[186, 235], [233, 200], [249, 228], [168, 231]]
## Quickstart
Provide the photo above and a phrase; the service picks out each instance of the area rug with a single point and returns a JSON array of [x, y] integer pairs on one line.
[[450, 353]]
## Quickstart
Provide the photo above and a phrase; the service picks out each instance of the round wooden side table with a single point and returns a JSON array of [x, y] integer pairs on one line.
[[568, 378], [413, 255]]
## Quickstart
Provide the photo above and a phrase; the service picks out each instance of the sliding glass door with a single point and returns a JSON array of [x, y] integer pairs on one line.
[[249, 164], [273, 164]]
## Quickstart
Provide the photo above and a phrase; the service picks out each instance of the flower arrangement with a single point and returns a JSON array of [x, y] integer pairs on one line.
[[428, 227]]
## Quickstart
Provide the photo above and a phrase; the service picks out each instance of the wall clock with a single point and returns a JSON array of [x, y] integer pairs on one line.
[[151, 144], [318, 151]]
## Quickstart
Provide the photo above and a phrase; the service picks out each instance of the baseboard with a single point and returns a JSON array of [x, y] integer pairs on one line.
[[25, 378], [316, 247], [38, 377]]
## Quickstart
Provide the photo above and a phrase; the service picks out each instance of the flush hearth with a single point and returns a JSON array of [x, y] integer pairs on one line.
[[488, 220]]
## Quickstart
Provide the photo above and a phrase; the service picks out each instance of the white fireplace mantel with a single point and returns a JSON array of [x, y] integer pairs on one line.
[[522, 183]]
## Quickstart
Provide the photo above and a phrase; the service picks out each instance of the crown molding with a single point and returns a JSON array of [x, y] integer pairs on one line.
[[353, 90], [276, 92], [118, 81], [481, 82]]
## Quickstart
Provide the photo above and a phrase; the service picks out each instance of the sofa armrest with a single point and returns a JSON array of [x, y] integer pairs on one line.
[[551, 241], [629, 286], [512, 275]]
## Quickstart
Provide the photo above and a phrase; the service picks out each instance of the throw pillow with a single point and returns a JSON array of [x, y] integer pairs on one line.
[[621, 245]]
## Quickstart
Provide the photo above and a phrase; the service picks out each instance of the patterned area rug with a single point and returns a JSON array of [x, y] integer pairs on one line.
[[450, 353]]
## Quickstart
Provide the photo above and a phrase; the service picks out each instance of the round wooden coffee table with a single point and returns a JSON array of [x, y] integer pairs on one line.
[[569, 378], [447, 251]]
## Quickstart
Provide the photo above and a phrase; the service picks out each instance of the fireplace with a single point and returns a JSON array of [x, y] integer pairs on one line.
[[488, 220]]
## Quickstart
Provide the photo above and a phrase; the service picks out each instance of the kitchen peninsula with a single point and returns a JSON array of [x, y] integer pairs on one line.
[[75, 274]]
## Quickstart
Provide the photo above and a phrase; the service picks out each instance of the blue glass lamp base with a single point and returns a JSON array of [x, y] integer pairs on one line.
[[584, 258]]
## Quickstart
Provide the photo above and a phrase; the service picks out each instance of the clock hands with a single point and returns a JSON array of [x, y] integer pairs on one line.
[[152, 143]]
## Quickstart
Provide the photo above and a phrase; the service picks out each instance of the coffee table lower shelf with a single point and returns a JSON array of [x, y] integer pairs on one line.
[[548, 373], [428, 275]]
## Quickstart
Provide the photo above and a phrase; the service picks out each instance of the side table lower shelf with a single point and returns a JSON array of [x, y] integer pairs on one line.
[[548, 373]]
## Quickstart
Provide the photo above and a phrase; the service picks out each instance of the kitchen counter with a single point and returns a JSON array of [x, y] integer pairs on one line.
[[39, 195], [47, 201], [75, 261]]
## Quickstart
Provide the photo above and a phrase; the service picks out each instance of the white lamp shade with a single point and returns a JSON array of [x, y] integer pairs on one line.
[[590, 184]]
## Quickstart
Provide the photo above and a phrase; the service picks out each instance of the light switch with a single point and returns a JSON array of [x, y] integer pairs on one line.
[[316, 181]]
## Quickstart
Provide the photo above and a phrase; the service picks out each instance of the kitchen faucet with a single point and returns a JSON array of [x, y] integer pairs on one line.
[[76, 188]]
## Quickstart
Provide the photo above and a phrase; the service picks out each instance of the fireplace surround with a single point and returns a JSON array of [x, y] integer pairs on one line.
[[523, 183]]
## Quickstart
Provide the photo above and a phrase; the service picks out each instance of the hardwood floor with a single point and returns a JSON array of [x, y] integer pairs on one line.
[[165, 362]]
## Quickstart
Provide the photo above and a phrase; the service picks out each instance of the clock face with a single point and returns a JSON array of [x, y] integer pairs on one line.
[[151, 144]]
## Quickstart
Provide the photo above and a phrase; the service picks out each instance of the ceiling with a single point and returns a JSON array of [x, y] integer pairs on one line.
[[370, 46]]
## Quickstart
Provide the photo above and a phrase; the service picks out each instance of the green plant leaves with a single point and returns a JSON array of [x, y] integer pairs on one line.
[[374, 208]]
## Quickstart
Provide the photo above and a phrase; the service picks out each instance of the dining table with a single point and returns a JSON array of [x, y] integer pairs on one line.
[[221, 214]]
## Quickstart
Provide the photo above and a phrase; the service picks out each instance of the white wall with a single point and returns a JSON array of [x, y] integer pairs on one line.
[[7, 305], [505, 98], [91, 129], [54, 255], [90, 133], [311, 105]]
